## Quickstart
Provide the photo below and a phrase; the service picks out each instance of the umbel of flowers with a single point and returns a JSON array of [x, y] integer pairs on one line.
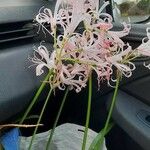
[[93, 48]]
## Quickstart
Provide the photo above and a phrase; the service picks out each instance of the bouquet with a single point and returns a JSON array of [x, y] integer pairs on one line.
[[86, 44]]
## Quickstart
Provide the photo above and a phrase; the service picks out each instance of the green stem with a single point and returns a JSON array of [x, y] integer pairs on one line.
[[88, 113], [99, 145], [40, 117], [35, 98], [57, 118]]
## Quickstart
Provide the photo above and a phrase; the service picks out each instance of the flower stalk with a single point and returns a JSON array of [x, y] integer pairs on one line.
[[104, 131], [35, 98], [40, 117], [88, 114], [56, 120]]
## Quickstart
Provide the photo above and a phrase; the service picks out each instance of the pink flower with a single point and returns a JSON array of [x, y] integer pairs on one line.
[[77, 16], [124, 66], [116, 35], [144, 48], [46, 17], [43, 59], [97, 49], [76, 78], [73, 76], [104, 26]]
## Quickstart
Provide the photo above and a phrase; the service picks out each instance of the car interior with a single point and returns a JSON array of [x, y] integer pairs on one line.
[[18, 82]]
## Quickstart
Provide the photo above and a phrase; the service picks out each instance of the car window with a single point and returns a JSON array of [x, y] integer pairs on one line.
[[131, 10]]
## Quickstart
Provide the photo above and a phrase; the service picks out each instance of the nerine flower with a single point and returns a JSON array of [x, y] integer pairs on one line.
[[43, 59], [144, 48], [76, 54]]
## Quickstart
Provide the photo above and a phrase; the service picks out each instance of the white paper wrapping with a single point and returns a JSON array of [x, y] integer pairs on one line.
[[66, 137]]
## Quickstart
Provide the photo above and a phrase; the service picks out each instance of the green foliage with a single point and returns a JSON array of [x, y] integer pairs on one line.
[[124, 7], [143, 4], [129, 8]]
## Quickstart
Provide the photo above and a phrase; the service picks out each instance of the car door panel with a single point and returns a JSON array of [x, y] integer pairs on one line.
[[132, 115]]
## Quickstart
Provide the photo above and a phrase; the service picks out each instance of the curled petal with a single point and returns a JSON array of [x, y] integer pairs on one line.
[[43, 59], [111, 82], [39, 69], [46, 17], [58, 3], [146, 65], [43, 52], [144, 48], [132, 66], [124, 69], [105, 17], [77, 16], [103, 26], [124, 32]]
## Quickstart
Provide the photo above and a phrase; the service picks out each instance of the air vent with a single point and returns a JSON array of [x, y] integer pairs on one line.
[[16, 32]]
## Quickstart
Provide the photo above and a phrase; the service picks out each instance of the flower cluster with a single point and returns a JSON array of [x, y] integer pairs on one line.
[[95, 47]]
